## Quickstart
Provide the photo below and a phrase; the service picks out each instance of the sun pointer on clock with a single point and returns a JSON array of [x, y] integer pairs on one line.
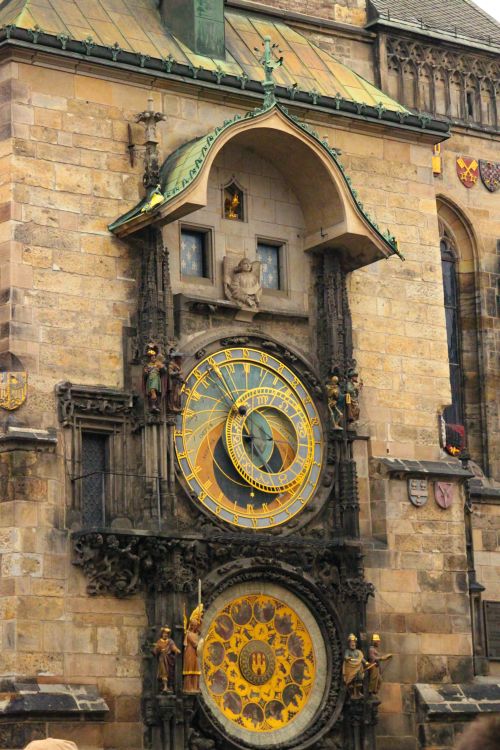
[[249, 439]]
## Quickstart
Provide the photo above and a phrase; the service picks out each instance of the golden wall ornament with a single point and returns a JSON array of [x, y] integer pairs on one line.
[[13, 389], [259, 663]]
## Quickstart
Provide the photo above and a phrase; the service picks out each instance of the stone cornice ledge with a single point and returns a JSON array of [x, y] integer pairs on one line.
[[33, 698], [457, 702], [28, 439], [400, 468]]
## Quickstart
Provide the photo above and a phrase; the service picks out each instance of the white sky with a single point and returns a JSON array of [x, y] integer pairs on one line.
[[490, 6]]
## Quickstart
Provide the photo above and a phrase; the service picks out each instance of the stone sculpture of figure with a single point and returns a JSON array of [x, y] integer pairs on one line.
[[154, 377], [175, 381], [166, 651], [334, 396], [242, 283], [353, 389], [353, 667], [374, 659], [193, 644]]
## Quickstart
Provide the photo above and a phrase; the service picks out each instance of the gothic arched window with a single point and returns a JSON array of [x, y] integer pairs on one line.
[[454, 413]]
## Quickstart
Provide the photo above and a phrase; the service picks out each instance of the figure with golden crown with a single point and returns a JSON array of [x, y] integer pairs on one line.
[[353, 667], [193, 645], [374, 659]]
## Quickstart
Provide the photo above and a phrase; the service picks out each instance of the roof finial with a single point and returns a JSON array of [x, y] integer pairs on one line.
[[150, 119], [270, 61]]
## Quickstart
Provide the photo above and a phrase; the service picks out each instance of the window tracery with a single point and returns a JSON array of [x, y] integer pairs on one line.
[[443, 82]]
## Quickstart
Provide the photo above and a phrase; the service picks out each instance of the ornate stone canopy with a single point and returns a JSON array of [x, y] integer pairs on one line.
[[334, 215]]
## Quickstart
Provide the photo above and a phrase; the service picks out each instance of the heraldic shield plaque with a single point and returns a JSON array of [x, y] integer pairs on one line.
[[13, 389], [263, 664]]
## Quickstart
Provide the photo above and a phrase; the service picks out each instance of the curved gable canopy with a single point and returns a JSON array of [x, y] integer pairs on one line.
[[333, 213]]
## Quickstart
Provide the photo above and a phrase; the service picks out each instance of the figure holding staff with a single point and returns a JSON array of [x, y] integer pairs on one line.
[[193, 644]]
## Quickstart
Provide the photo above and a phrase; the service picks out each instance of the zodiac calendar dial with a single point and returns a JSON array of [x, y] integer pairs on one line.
[[249, 439], [259, 663]]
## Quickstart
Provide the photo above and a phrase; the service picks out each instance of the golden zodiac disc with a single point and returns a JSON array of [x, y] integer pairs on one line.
[[259, 664]]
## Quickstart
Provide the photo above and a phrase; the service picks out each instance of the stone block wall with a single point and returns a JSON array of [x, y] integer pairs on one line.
[[347, 11], [486, 541], [52, 631], [67, 291], [421, 606], [70, 176]]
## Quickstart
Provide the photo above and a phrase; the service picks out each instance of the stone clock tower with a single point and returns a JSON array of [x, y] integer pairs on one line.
[[247, 429]]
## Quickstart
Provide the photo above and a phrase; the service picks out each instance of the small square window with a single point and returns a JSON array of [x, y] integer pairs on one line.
[[270, 256], [195, 253]]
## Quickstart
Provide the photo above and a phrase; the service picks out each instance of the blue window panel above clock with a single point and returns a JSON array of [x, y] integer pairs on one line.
[[194, 253], [269, 256]]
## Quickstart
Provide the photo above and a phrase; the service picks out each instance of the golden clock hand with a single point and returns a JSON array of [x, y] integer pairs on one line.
[[224, 391]]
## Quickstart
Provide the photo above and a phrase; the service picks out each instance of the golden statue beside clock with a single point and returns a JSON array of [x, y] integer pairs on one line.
[[249, 440]]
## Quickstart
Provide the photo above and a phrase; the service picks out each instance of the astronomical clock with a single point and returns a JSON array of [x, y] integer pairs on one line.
[[253, 456], [252, 566], [249, 442]]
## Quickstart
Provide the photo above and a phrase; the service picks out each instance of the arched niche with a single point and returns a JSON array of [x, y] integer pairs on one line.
[[333, 218], [458, 235]]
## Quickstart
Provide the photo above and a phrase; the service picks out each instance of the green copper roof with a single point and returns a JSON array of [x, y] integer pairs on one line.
[[182, 167], [134, 26]]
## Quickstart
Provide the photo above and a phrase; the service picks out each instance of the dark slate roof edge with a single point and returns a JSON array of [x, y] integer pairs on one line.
[[376, 18], [77, 389], [452, 700], [169, 68], [440, 35], [33, 699], [423, 468]]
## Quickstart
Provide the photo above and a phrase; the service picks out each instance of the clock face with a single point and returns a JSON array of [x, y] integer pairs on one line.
[[259, 664], [249, 439], [263, 663]]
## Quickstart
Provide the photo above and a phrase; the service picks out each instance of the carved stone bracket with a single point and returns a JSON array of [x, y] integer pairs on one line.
[[124, 563], [92, 401]]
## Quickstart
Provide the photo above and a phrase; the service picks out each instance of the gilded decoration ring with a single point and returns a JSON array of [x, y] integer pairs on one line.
[[237, 429]]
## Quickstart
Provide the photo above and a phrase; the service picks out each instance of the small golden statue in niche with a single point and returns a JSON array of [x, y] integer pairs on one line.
[[233, 202]]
